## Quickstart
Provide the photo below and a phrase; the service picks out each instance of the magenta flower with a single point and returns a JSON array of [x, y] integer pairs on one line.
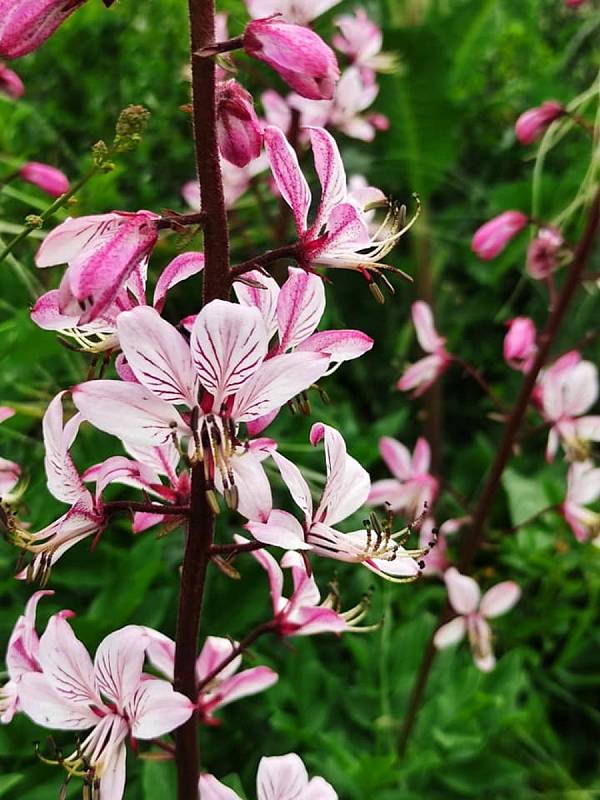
[[474, 610], [583, 488], [101, 251], [520, 343], [532, 123], [492, 237], [239, 132], [301, 12], [26, 24], [424, 373], [413, 490], [10, 83], [543, 253], [47, 178], [9, 471], [111, 696], [361, 40], [301, 57], [278, 778]]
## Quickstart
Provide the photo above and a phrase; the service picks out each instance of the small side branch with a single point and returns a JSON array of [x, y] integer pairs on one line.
[[261, 262]]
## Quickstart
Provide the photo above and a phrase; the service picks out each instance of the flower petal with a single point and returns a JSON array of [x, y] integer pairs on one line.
[[281, 778], [294, 480], [397, 457], [500, 599], [280, 530], [339, 345], [428, 337], [246, 683], [264, 297], [288, 175], [463, 591], [119, 661], [332, 175], [45, 707], [64, 482], [300, 307], [212, 789], [179, 269], [450, 633], [155, 709]]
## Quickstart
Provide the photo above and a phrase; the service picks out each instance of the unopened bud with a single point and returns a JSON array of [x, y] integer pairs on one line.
[[239, 131]]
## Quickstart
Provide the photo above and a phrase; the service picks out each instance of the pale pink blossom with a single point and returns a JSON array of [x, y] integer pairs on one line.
[[352, 97], [9, 471], [278, 112], [543, 253], [346, 489], [297, 53], [412, 491], [583, 488], [239, 132], [433, 540], [278, 778], [26, 24], [111, 696], [566, 391], [10, 83], [47, 178], [236, 181], [520, 343], [424, 373], [225, 685], [533, 122], [491, 238], [301, 12], [361, 40], [102, 252], [474, 611]]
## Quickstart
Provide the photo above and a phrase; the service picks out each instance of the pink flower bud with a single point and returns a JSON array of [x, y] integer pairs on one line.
[[532, 123], [47, 178], [492, 237], [301, 57], [10, 83], [26, 24], [238, 130], [519, 343], [543, 252], [574, 3]]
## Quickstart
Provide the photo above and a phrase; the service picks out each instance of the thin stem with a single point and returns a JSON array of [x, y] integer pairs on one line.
[[247, 641], [287, 251], [214, 48], [475, 535], [115, 506], [174, 221], [479, 379], [232, 550]]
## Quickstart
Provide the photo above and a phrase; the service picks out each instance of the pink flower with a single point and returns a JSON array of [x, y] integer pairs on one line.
[[424, 373], [278, 778], [434, 542], [26, 24], [47, 178], [532, 123], [111, 696], [413, 490], [9, 471], [360, 39], [239, 132], [10, 83], [102, 251], [474, 610], [278, 112], [567, 390], [492, 237], [301, 12], [301, 57], [346, 489], [226, 684], [339, 236], [519, 343], [583, 487], [543, 253], [225, 366], [574, 3], [352, 97]]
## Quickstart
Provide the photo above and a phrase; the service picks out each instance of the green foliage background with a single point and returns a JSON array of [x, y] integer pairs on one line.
[[468, 68]]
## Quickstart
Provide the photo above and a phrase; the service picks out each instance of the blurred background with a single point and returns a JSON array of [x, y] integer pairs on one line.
[[465, 70]]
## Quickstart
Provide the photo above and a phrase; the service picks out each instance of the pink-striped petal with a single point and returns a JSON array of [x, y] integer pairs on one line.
[[339, 345], [294, 480], [47, 708], [332, 175], [281, 778], [179, 269], [280, 530], [428, 337], [300, 307], [264, 297], [64, 481], [155, 709], [288, 175], [246, 683], [214, 651], [118, 663]]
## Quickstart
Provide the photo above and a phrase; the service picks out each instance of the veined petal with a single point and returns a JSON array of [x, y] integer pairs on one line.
[[47, 708], [294, 480], [348, 483], [288, 175], [64, 481], [332, 175], [158, 355], [300, 307], [319, 789], [72, 236], [274, 573], [119, 661], [265, 298], [254, 490], [345, 226], [160, 650], [281, 778], [155, 709], [397, 457], [463, 591], [228, 344], [214, 652], [280, 530], [500, 599], [428, 337], [245, 684], [112, 780], [450, 633], [339, 345], [22, 648], [179, 269]]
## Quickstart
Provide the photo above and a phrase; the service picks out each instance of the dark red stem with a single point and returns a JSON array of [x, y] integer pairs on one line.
[[232, 550], [115, 506], [260, 262], [247, 641]]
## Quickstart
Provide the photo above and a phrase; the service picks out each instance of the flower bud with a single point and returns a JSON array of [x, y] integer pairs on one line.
[[47, 178], [239, 132], [492, 237], [26, 24], [543, 253], [10, 83], [532, 123], [301, 57], [519, 343]]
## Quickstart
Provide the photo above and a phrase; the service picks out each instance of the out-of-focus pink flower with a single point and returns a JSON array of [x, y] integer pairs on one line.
[[519, 343], [352, 97], [26, 24], [412, 491], [298, 54], [239, 132], [567, 390], [9, 471], [236, 181], [278, 112], [434, 540], [474, 610], [112, 696], [424, 373], [101, 251], [300, 12], [574, 3], [583, 487], [10, 83], [492, 237], [278, 778], [360, 39], [532, 123], [543, 253], [47, 178]]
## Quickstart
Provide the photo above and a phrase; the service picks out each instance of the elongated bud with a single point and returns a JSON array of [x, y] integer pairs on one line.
[[10, 83], [26, 24], [532, 123], [490, 239], [519, 343], [301, 57], [239, 132], [47, 178]]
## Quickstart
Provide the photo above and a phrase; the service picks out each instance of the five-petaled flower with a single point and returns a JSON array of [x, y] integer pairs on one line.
[[423, 373]]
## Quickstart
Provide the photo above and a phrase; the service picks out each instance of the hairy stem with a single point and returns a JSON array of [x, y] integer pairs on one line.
[[264, 260]]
